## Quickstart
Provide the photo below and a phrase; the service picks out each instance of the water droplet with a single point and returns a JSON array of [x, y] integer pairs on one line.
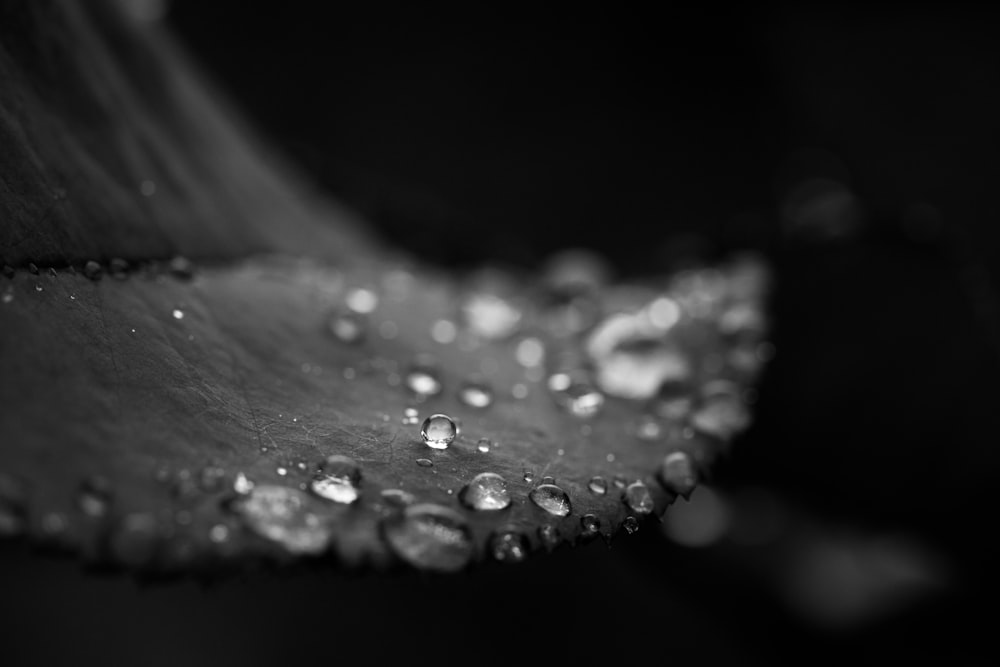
[[39, 288], [423, 382], [509, 546], [13, 506], [519, 391], [178, 314], [529, 476], [429, 537], [181, 267], [94, 497], [285, 516], [219, 533], [397, 497], [135, 540], [425, 463], [648, 428], [552, 499], [530, 352], [549, 536], [444, 332], [347, 327], [579, 398], [118, 268], [410, 416], [484, 445], [92, 270], [490, 316], [361, 300], [678, 473], [722, 414], [476, 394], [548, 480], [638, 498], [338, 480], [598, 485], [619, 482], [282, 471], [591, 524], [631, 525], [438, 431], [486, 492]]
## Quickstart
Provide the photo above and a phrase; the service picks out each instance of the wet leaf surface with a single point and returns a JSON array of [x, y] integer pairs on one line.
[[172, 423]]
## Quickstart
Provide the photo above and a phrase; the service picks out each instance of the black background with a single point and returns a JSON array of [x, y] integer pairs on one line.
[[507, 135]]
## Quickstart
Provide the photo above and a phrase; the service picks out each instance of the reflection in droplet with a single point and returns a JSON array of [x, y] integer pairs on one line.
[[509, 546], [678, 473], [598, 485], [438, 431], [429, 537], [338, 480], [638, 498], [285, 516], [347, 327], [552, 499], [476, 394], [486, 492]]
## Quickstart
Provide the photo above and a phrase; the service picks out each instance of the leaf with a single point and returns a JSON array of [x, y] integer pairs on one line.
[[169, 419]]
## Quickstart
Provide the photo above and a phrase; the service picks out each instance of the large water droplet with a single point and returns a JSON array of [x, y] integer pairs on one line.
[[429, 537], [285, 516], [487, 491], [438, 431], [678, 473], [338, 480], [94, 497], [476, 394], [509, 546], [347, 327], [552, 499], [598, 485], [638, 498], [423, 382]]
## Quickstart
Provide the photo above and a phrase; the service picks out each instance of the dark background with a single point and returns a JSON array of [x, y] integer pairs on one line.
[[507, 135]]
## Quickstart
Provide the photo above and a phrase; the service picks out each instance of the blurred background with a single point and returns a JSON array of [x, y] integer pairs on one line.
[[855, 146]]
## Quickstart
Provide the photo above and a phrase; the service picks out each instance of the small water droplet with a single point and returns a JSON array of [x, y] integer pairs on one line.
[[530, 352], [281, 470], [486, 492], [347, 327], [638, 498], [490, 316], [529, 476], [631, 525], [32, 268], [410, 416], [285, 516], [178, 314], [8, 295], [578, 397], [39, 288], [338, 480], [549, 536], [444, 332], [423, 382], [598, 485], [181, 267], [648, 428], [438, 431], [519, 391], [476, 394], [484, 445], [94, 498], [425, 463], [361, 300], [219, 533], [591, 524], [242, 484], [92, 270], [678, 474], [118, 268], [509, 546], [429, 537], [620, 482], [552, 499]]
